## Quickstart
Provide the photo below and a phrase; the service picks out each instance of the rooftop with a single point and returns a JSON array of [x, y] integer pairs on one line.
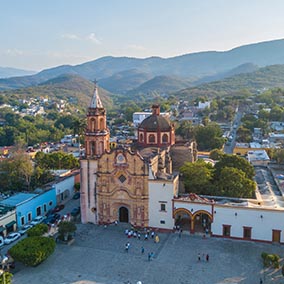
[[17, 199]]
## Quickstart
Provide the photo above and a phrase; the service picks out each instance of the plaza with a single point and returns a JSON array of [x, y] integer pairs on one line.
[[98, 256]]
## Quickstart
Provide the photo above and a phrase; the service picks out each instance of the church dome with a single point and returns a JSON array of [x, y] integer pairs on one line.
[[155, 130], [155, 121]]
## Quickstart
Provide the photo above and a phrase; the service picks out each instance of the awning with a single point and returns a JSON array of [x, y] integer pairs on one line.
[[10, 224], [2, 229]]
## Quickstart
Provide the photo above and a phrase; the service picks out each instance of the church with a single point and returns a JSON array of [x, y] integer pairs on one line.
[[126, 185], [140, 186]]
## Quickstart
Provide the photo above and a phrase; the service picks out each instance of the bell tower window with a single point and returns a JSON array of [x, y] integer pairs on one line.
[[152, 138]]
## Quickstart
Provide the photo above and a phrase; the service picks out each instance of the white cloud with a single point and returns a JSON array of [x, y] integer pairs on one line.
[[71, 36], [13, 52], [92, 37], [136, 47]]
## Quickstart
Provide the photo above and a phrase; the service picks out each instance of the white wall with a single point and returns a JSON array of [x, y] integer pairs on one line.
[[161, 191], [248, 217], [87, 196], [66, 184]]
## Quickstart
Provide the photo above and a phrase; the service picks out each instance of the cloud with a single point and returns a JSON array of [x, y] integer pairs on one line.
[[136, 47], [13, 52], [71, 36], [92, 37]]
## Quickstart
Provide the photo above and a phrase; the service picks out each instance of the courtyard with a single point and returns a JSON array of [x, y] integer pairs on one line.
[[98, 256]]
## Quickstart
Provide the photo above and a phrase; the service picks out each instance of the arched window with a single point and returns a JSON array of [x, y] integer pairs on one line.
[[152, 138], [101, 147], [93, 124], [165, 138], [141, 137], [102, 125]]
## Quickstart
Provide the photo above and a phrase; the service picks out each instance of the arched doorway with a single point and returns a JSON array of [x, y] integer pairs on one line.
[[202, 222], [123, 215], [183, 219]]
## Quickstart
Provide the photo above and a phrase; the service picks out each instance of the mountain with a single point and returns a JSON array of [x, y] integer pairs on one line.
[[161, 84], [244, 68], [125, 80], [257, 81], [7, 72], [70, 87], [189, 66]]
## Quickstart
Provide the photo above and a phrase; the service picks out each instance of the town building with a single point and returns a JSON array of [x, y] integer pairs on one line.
[[140, 186]]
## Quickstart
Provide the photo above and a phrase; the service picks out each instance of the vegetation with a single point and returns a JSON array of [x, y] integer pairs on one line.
[[32, 251], [232, 176], [6, 278], [65, 230], [197, 177], [38, 230], [270, 260], [56, 161], [209, 137], [216, 154]]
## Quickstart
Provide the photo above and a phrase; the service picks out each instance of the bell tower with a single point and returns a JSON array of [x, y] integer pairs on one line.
[[97, 134]]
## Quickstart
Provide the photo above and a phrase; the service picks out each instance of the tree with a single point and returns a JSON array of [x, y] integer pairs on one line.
[[197, 177], [209, 137], [38, 230], [216, 154], [234, 161], [66, 229], [234, 183], [244, 134], [32, 251], [278, 155]]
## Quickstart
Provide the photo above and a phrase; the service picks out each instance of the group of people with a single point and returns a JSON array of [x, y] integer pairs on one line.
[[137, 234], [204, 256]]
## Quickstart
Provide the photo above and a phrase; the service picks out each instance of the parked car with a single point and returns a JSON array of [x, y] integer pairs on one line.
[[51, 219], [37, 220], [76, 195], [58, 208], [11, 238], [75, 211], [24, 229]]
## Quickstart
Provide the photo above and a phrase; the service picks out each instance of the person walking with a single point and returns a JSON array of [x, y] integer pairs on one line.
[[199, 257], [142, 250], [126, 247], [207, 257], [149, 256]]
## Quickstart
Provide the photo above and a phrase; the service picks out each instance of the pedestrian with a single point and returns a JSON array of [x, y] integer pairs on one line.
[[138, 236], [199, 257], [126, 232], [260, 281], [115, 222], [126, 247], [149, 256], [207, 257], [146, 237], [152, 234], [142, 250], [179, 234]]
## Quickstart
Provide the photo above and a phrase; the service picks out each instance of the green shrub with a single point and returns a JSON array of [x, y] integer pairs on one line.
[[6, 278], [33, 250], [270, 259], [65, 229], [38, 230]]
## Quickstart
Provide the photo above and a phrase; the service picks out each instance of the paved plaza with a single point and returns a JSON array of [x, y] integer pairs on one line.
[[98, 256]]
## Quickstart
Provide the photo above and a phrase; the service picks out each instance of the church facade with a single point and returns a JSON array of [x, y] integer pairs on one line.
[[123, 185]]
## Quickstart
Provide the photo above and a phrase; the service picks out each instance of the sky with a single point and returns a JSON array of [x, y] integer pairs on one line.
[[40, 34]]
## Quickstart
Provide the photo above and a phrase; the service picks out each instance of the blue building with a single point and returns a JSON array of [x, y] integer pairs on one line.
[[30, 205]]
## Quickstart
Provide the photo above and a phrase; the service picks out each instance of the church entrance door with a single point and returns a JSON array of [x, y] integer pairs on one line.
[[123, 215]]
